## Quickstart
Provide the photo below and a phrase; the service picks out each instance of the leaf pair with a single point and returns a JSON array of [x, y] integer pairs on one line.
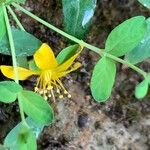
[[120, 41], [33, 104], [23, 137]]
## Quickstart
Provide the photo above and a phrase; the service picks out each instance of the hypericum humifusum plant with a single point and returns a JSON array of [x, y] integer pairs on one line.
[[129, 39]]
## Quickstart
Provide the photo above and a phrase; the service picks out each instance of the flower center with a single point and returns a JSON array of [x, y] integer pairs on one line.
[[47, 83]]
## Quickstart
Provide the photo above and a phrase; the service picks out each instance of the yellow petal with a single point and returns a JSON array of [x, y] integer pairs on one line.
[[23, 74], [64, 66], [57, 75], [44, 57]]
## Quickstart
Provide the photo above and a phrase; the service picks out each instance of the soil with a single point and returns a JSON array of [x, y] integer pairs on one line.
[[123, 122]]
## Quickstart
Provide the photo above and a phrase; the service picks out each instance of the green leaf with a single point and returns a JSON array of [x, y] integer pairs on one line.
[[36, 107], [26, 139], [142, 51], [11, 139], [3, 147], [25, 43], [2, 24], [141, 89], [9, 91], [66, 53], [145, 3], [77, 16], [21, 138], [17, 1], [126, 36], [103, 78]]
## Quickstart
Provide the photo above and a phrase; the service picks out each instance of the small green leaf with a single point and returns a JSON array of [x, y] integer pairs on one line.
[[145, 3], [9, 91], [103, 78], [142, 51], [141, 89], [11, 139], [126, 36], [25, 43], [36, 107], [2, 24], [67, 53], [77, 16], [26, 139]]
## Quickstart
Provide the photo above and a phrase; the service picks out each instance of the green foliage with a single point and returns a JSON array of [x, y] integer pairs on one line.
[[36, 107], [21, 138], [26, 139], [66, 53], [145, 3], [11, 139], [9, 91], [2, 24], [25, 43], [17, 1], [126, 36], [103, 78], [141, 89], [142, 51], [3, 147], [77, 16]]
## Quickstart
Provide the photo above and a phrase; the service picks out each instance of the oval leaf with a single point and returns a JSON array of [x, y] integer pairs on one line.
[[145, 3], [9, 91], [26, 139], [142, 51], [67, 53], [126, 36], [77, 16], [36, 107], [103, 78], [25, 43], [141, 89], [11, 139]]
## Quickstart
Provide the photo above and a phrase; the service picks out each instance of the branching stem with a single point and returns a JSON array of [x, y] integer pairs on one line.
[[12, 47], [91, 47]]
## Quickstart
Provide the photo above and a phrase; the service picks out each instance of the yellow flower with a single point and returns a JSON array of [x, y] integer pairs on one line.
[[49, 72]]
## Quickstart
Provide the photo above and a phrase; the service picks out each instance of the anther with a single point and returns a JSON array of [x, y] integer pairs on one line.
[[45, 97], [36, 89], [49, 95], [50, 87], [69, 95], [61, 96], [58, 91], [65, 92]]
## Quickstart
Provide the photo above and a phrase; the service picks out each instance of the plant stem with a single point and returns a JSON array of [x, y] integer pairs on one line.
[[22, 60], [15, 18], [91, 47], [12, 47]]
